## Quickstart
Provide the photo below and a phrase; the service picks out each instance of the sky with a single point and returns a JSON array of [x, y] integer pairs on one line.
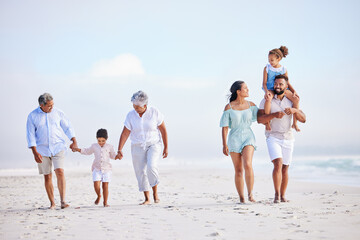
[[93, 55]]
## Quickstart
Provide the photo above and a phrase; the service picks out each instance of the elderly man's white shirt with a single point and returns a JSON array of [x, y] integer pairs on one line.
[[280, 127], [144, 130]]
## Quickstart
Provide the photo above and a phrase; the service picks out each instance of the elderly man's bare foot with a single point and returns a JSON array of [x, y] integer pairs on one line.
[[283, 199], [52, 206], [251, 198], [106, 205], [276, 198], [156, 198], [146, 202], [97, 200], [64, 205]]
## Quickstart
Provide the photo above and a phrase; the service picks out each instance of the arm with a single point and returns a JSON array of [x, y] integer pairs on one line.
[[224, 133], [267, 93], [68, 130], [123, 137], [30, 135], [163, 132], [84, 151], [265, 118], [297, 113], [112, 153]]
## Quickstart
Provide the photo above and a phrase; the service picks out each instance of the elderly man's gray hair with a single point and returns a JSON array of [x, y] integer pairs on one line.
[[139, 98], [45, 98]]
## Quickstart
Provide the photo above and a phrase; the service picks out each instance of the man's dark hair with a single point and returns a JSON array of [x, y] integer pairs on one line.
[[102, 133], [282, 76]]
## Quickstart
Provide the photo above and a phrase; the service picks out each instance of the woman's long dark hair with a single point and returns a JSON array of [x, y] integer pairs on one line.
[[234, 87]]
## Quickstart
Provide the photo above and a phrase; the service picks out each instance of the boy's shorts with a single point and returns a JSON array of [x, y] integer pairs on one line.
[[101, 176], [46, 166], [280, 148]]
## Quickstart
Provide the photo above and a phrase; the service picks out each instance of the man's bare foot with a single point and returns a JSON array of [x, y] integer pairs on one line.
[[106, 205], [251, 198], [283, 199], [52, 206], [64, 205], [295, 126], [242, 200], [97, 200], [276, 198], [146, 202], [267, 127], [156, 198]]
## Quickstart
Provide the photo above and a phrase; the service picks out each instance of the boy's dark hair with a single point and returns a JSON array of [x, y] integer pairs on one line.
[[282, 76], [102, 133]]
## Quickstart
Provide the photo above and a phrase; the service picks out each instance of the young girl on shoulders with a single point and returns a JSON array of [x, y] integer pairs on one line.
[[271, 70], [101, 167]]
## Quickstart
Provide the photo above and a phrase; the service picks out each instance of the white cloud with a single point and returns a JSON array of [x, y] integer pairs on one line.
[[120, 66]]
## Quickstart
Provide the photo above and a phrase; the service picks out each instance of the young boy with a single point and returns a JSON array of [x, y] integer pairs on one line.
[[101, 167]]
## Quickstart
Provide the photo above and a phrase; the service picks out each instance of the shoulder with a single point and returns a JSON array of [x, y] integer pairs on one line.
[[108, 145], [252, 104], [227, 107], [153, 109], [131, 113], [94, 145]]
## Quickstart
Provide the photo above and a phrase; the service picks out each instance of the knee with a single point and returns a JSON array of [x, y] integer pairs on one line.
[[59, 172], [248, 167], [239, 172], [284, 169], [48, 178]]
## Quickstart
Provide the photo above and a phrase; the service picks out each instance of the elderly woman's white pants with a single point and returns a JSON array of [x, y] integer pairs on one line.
[[145, 161]]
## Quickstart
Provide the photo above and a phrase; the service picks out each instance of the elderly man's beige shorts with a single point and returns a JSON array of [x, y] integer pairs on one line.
[[46, 166]]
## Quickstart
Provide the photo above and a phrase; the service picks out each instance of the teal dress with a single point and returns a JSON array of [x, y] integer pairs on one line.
[[239, 121]]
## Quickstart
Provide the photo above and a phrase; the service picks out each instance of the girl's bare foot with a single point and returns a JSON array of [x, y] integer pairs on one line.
[[295, 126], [276, 198], [283, 199], [146, 202], [64, 205], [97, 200], [251, 198]]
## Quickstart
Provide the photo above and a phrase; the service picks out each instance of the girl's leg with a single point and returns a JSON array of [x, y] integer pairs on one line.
[[239, 180], [105, 186], [247, 156], [97, 190], [267, 109], [295, 102]]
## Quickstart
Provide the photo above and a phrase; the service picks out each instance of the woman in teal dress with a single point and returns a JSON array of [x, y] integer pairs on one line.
[[238, 116]]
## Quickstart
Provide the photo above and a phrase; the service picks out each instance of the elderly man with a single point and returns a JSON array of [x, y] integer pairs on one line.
[[44, 135], [279, 139]]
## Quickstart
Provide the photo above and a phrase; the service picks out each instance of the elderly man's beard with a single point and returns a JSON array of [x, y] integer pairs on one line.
[[278, 91]]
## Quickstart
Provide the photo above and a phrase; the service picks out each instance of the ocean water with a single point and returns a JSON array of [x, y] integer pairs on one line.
[[340, 170]]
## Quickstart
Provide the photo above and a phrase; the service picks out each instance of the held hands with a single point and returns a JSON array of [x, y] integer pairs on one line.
[[74, 146], [268, 95], [119, 155], [289, 111], [279, 114]]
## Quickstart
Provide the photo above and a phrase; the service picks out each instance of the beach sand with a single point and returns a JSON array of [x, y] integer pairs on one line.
[[196, 203]]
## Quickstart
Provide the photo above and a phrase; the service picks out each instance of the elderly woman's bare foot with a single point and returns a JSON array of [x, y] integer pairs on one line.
[[97, 200], [64, 205], [156, 198], [146, 202]]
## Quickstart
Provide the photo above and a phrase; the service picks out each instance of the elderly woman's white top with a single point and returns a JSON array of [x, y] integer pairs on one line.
[[144, 130]]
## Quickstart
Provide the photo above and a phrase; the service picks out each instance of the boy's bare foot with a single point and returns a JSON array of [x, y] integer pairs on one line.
[[283, 199], [146, 202], [97, 200], [251, 198], [267, 127], [295, 126], [156, 198], [276, 198], [64, 205]]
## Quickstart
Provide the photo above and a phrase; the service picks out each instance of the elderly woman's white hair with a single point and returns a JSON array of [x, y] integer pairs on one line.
[[139, 98]]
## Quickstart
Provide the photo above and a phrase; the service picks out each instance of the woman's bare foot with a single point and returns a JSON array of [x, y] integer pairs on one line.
[[156, 198], [146, 202], [283, 199], [295, 126], [64, 205], [276, 198], [251, 198], [97, 200]]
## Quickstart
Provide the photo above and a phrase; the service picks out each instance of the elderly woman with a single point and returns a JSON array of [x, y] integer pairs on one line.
[[145, 126]]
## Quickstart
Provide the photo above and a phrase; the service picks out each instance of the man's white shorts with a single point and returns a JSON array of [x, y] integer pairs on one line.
[[101, 176], [280, 148]]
